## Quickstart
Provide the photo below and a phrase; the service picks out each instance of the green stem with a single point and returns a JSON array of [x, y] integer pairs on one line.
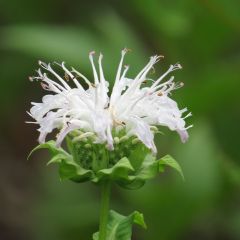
[[104, 209]]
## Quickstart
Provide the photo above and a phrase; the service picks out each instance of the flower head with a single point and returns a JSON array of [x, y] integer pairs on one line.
[[132, 107]]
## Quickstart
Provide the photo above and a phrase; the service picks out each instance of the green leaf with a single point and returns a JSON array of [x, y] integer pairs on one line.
[[120, 227], [57, 158], [119, 171], [139, 219], [171, 162], [138, 155], [68, 168], [147, 170], [71, 170], [51, 146], [129, 174]]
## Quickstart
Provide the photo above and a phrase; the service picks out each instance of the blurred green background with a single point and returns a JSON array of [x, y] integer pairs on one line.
[[204, 36]]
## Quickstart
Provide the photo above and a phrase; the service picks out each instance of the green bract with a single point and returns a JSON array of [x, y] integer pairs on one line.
[[130, 164]]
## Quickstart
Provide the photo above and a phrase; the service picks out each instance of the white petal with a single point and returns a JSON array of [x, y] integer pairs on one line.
[[142, 130]]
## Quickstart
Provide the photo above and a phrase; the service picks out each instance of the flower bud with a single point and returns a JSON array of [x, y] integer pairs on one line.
[[135, 141], [154, 128], [87, 145], [83, 137], [116, 140], [123, 139]]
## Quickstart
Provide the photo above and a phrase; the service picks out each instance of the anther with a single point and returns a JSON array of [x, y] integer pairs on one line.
[[44, 86], [66, 77], [152, 70], [177, 66], [43, 64], [127, 50]]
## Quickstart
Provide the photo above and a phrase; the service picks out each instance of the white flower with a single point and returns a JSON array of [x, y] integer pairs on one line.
[[131, 106]]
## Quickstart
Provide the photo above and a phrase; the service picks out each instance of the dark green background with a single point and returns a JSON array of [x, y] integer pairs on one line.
[[204, 36]]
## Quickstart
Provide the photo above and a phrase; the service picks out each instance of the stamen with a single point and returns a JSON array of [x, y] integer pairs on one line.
[[152, 70], [55, 85], [190, 126], [146, 69], [183, 110], [82, 76], [42, 64], [170, 69], [116, 92], [188, 115], [178, 85], [177, 66], [29, 114], [124, 51], [44, 86], [96, 80], [49, 68], [142, 75], [31, 122], [69, 74], [102, 79], [162, 86], [127, 50]]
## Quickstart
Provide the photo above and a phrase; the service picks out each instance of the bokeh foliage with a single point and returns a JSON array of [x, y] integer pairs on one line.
[[204, 36]]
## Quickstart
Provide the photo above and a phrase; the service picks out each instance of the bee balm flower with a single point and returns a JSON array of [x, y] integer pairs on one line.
[[132, 107]]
